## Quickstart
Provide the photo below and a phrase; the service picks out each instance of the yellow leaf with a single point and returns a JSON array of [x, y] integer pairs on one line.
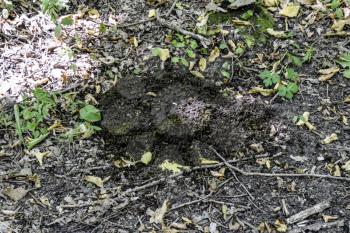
[[152, 13], [270, 3], [261, 91], [197, 74], [337, 171], [202, 20], [346, 166], [215, 53], [280, 226], [40, 156], [277, 34], [164, 54], [94, 14], [205, 161], [338, 25], [345, 120], [171, 166], [232, 45], [333, 137], [158, 215], [305, 121], [264, 162], [328, 73], [238, 22], [202, 64], [123, 163], [133, 41], [220, 173], [95, 180], [224, 211], [290, 10], [146, 158], [347, 99], [328, 218], [15, 194]]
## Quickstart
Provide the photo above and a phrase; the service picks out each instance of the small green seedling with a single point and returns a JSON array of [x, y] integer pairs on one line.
[[269, 78], [288, 91]]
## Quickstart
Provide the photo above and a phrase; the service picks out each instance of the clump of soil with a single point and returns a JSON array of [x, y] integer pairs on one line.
[[177, 116]]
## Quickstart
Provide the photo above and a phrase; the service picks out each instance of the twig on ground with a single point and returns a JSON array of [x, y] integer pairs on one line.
[[316, 227], [191, 202], [284, 174], [162, 180], [308, 212], [171, 8], [171, 26], [233, 173]]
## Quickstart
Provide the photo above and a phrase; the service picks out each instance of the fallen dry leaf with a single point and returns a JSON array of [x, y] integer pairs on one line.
[[205, 161], [152, 13], [171, 166], [202, 64], [290, 10], [270, 3], [328, 73], [215, 53], [261, 91], [197, 74], [280, 226], [95, 180], [277, 34], [15, 194], [158, 215], [146, 158], [333, 137], [328, 218]]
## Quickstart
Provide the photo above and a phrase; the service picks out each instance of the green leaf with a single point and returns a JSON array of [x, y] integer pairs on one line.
[[102, 28], [292, 87], [247, 15], [309, 54], [58, 31], [291, 74], [288, 91], [184, 62], [190, 53], [346, 73], [294, 59], [223, 45], [239, 51], [175, 59], [193, 44], [344, 60], [225, 74], [269, 78], [67, 21], [335, 4], [178, 44], [339, 13], [156, 51], [90, 113]]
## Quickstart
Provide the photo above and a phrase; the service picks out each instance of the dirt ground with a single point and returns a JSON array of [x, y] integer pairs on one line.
[[160, 107]]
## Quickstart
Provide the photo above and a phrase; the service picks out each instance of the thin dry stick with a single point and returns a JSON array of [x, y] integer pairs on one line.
[[234, 174], [164, 23], [156, 182], [171, 8], [282, 174]]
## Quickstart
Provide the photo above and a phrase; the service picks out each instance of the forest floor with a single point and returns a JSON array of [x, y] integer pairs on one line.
[[216, 117]]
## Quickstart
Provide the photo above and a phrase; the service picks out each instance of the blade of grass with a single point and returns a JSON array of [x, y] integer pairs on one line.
[[18, 123], [32, 143]]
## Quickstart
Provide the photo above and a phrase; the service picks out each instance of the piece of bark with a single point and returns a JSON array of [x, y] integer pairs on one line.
[[308, 212], [316, 227]]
